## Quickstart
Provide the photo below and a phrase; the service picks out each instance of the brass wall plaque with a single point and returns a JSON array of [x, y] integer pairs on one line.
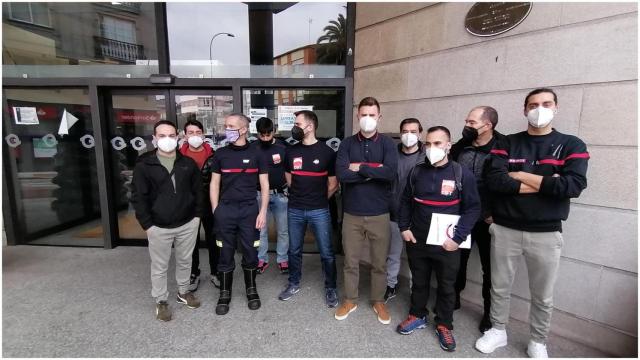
[[493, 18]]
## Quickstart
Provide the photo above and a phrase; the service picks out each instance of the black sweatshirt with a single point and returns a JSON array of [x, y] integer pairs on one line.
[[368, 191], [155, 198], [544, 155], [434, 191]]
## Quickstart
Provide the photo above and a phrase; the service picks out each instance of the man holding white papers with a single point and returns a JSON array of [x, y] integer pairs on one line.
[[436, 186]]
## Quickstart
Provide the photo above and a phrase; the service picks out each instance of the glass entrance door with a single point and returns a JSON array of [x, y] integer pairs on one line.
[[131, 117]]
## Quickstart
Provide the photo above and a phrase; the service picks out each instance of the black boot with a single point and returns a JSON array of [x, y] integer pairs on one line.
[[252, 292], [226, 282]]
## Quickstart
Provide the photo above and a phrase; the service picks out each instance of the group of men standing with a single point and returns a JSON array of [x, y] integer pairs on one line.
[[508, 193]]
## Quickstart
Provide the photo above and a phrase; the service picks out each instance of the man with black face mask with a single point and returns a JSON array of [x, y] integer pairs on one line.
[[273, 150], [310, 173], [473, 151]]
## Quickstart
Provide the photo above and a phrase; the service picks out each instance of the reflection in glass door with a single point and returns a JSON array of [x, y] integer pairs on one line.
[[132, 115], [51, 164], [204, 106]]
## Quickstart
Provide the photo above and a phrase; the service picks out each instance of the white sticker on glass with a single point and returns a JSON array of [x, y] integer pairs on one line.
[[88, 141], [138, 143], [118, 143], [12, 140], [334, 143], [50, 140], [291, 141]]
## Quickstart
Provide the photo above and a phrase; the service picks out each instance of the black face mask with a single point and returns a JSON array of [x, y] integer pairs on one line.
[[265, 143], [469, 133], [297, 133]]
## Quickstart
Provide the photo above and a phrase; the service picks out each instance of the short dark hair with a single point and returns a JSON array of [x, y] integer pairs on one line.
[[309, 115], [369, 101], [410, 121], [488, 114], [242, 116], [264, 125], [164, 122], [538, 91], [193, 122], [439, 128]]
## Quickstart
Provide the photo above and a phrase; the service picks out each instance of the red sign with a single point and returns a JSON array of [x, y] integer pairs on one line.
[[136, 116]]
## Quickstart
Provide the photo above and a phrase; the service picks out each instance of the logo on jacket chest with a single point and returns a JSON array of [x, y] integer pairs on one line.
[[297, 163], [447, 187], [276, 158]]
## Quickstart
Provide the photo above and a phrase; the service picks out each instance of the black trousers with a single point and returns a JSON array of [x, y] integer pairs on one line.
[[445, 264], [214, 252], [235, 224], [481, 237]]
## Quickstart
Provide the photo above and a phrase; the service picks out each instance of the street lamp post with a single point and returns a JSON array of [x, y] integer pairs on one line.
[[211, 44]]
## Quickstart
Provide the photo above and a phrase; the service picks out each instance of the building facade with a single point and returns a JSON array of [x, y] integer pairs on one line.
[[83, 84]]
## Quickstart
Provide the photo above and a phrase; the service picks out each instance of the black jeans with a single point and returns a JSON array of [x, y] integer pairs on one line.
[[445, 264], [481, 237], [214, 253]]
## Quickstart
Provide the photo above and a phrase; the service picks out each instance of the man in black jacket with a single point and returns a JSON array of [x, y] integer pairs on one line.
[[167, 198], [436, 186], [472, 151], [532, 176]]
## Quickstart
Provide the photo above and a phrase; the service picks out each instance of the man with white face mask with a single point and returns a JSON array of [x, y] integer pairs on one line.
[[168, 200], [436, 186], [200, 151], [410, 152], [532, 177], [366, 165]]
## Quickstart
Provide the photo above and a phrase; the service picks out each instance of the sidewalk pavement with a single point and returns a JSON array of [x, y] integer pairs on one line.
[[91, 302]]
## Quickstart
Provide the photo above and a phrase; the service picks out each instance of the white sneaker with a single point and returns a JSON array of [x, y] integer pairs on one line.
[[491, 340], [537, 350]]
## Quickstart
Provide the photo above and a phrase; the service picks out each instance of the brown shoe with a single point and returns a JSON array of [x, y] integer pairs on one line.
[[163, 313], [188, 299], [383, 315], [346, 308]]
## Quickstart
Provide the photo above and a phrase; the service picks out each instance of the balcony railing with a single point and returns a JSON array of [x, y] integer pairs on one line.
[[119, 50]]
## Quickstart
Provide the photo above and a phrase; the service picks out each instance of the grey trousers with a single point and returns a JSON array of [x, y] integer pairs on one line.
[[396, 244], [541, 251], [183, 238]]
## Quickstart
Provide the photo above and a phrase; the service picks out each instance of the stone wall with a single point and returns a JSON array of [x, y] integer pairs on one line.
[[418, 60]]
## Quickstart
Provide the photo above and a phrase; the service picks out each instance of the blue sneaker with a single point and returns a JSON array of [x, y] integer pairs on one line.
[[331, 297], [289, 292], [411, 324], [445, 336]]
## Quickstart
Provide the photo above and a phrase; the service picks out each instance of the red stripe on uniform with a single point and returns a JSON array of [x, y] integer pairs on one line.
[[368, 164], [310, 173], [499, 152], [437, 203], [561, 162], [578, 156], [239, 170]]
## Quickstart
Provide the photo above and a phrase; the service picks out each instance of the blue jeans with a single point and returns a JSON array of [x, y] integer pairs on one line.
[[277, 210], [320, 221]]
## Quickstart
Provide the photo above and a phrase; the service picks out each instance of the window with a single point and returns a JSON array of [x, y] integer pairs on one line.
[[34, 13], [118, 29]]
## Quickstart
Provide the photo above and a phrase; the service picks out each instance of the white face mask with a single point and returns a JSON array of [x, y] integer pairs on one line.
[[167, 144], [368, 123], [409, 139], [540, 116], [195, 141], [435, 154]]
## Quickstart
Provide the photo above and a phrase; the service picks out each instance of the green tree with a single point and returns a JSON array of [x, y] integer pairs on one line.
[[332, 46]]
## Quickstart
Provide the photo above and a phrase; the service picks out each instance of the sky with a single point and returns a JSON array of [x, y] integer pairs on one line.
[[191, 26]]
